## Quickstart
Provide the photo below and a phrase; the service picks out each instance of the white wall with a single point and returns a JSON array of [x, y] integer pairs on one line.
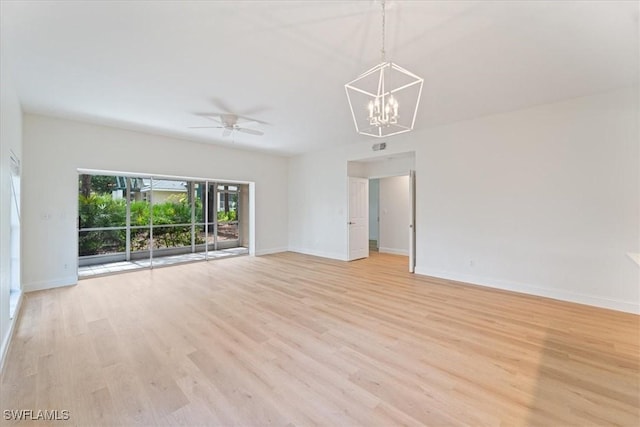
[[318, 205], [543, 200], [357, 169], [55, 148], [394, 215], [374, 206], [390, 166], [10, 140]]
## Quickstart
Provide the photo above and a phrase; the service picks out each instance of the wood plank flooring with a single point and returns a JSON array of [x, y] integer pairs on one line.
[[290, 339]]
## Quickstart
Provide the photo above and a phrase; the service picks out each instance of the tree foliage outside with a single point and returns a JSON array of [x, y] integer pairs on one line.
[[99, 184]]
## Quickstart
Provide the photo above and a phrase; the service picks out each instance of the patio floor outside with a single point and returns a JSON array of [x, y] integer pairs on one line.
[[121, 266]]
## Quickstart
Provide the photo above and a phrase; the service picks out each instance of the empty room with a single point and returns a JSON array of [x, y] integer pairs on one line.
[[337, 213]]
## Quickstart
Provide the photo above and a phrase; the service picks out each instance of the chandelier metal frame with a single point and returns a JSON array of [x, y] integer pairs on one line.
[[383, 108]]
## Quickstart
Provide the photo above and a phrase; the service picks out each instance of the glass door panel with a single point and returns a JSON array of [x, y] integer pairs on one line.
[[198, 197], [227, 215], [171, 217], [101, 218], [140, 217]]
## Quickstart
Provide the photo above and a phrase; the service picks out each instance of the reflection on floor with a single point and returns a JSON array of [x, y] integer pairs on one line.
[[14, 296], [115, 267]]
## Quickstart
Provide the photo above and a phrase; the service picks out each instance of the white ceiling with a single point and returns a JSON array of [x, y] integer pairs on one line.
[[155, 66]]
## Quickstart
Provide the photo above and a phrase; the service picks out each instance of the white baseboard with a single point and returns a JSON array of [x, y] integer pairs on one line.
[[321, 254], [50, 284], [271, 251], [6, 343], [558, 294], [393, 251]]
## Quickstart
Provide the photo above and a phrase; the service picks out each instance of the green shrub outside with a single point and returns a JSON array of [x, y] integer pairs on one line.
[[227, 216]]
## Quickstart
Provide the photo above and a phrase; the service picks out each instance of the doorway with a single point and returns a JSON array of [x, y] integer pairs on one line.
[[393, 206], [391, 203]]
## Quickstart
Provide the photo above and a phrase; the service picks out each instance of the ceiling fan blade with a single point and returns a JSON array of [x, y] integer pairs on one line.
[[250, 131], [255, 110], [221, 105], [247, 123], [226, 108], [212, 116], [227, 132], [206, 127], [246, 119]]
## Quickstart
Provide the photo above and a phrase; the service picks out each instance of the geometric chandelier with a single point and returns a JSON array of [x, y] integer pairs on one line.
[[385, 98]]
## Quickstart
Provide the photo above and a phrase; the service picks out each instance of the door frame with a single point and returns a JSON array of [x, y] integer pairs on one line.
[[412, 221], [357, 167]]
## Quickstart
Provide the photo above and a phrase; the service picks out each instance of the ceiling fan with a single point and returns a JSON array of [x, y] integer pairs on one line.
[[230, 123]]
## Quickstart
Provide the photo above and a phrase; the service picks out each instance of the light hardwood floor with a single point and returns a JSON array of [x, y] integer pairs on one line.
[[290, 339]]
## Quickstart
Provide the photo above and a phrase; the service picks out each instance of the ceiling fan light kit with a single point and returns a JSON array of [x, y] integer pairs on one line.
[[386, 97]]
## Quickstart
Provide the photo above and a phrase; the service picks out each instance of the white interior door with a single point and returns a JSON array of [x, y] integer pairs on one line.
[[412, 221], [358, 218]]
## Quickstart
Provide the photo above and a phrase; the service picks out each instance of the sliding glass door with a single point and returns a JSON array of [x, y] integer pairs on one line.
[[145, 219]]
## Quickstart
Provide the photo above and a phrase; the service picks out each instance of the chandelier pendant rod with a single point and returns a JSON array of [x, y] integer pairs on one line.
[[382, 106], [382, 52]]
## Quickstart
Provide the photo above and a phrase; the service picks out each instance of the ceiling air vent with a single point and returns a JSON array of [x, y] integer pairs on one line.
[[379, 146]]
